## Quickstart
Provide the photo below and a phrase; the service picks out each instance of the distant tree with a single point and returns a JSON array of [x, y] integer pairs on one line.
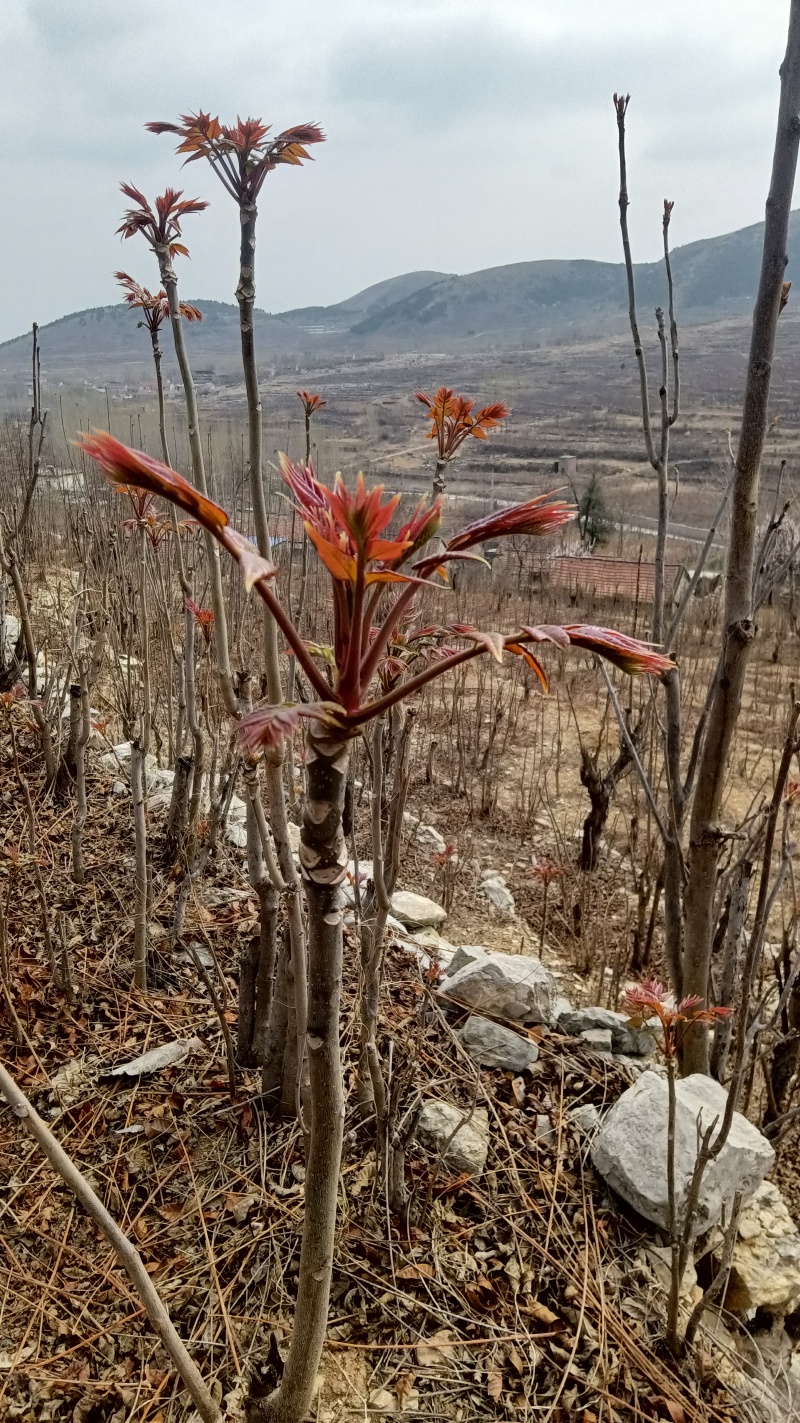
[[595, 520]]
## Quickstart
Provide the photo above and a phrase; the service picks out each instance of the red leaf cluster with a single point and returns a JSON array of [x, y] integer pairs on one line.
[[153, 306], [452, 420], [350, 531], [651, 1000], [311, 403], [241, 154], [160, 228]]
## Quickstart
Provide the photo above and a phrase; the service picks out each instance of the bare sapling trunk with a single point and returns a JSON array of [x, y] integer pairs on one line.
[[657, 454], [376, 908], [139, 750], [140, 896], [273, 759], [10, 566], [193, 724], [178, 816], [81, 804], [162, 422], [36, 428], [245, 296], [170, 283], [185, 800], [739, 628], [386, 813], [600, 789], [323, 858], [257, 969], [731, 965], [218, 811]]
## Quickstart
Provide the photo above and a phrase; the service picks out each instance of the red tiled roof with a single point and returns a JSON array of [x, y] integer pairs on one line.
[[608, 576]]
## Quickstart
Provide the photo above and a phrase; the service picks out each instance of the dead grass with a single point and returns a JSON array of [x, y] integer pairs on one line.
[[521, 1293]]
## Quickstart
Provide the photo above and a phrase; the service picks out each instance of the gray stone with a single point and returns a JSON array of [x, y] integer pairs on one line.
[[118, 754], [563, 1006], [598, 1039], [582, 1020], [492, 1045], [630, 1151], [499, 894], [464, 954], [469, 1146], [546, 1133], [416, 911], [510, 986], [585, 1117], [634, 1042], [426, 835]]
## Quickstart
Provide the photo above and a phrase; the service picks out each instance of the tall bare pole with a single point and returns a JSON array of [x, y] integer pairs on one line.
[[739, 626]]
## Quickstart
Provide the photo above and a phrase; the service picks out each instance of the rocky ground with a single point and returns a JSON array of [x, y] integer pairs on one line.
[[528, 1276]]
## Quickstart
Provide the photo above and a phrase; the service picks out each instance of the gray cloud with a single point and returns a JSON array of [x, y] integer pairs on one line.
[[461, 134]]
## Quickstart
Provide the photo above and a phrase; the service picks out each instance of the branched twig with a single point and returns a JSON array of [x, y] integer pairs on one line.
[[126, 1253]]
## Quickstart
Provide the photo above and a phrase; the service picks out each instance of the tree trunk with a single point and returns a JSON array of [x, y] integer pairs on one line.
[[170, 284], [178, 819], [81, 805], [323, 858], [275, 790], [739, 629], [600, 790], [140, 873]]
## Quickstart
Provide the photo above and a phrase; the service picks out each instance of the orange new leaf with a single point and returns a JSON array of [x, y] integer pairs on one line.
[[126, 466], [627, 653]]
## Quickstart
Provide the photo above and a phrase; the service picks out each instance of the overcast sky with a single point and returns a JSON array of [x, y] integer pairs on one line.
[[461, 134]]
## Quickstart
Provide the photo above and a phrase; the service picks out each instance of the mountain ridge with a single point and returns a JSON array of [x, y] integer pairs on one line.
[[520, 304]]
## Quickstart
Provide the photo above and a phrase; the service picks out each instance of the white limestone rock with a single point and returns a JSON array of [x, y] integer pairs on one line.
[[416, 911], [10, 628], [765, 1268], [630, 1151], [237, 811], [469, 1147], [427, 944], [236, 834], [492, 1045], [159, 789], [510, 986], [499, 894]]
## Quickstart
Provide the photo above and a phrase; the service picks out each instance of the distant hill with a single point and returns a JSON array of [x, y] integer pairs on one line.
[[522, 304]]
